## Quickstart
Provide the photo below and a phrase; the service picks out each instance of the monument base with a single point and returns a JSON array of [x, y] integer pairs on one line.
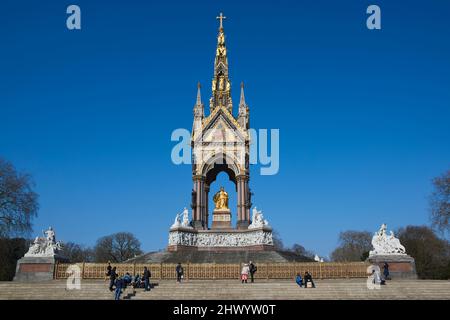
[[257, 239], [35, 269], [261, 247], [400, 266]]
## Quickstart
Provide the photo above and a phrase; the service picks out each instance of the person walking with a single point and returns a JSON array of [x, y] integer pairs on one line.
[[252, 269], [119, 285], [108, 270], [180, 271], [112, 278], [386, 271], [244, 273], [146, 277]]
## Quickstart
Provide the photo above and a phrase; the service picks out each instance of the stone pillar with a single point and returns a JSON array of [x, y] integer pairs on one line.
[[203, 205], [206, 206], [198, 214], [247, 202], [242, 222]]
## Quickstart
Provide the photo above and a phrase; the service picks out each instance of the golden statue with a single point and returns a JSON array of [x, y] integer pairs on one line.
[[221, 199]]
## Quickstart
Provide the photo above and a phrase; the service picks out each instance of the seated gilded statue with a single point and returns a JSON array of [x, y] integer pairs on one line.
[[221, 200]]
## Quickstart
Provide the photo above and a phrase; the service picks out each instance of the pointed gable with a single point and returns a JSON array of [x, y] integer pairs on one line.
[[221, 127]]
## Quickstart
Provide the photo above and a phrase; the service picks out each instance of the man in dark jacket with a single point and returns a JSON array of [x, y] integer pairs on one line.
[[252, 269], [146, 277], [308, 278], [112, 278], [179, 270], [108, 269], [119, 285], [386, 271]]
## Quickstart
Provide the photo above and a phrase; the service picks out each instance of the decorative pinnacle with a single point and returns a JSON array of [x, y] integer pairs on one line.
[[199, 97], [242, 100]]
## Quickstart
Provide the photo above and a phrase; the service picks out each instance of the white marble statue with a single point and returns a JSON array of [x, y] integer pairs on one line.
[[185, 222], [181, 220], [177, 222], [45, 246], [384, 244], [49, 234], [258, 220]]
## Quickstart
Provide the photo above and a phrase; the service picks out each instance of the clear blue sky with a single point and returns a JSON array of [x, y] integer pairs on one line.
[[363, 115]]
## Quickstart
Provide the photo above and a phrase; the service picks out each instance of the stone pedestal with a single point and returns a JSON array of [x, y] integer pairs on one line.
[[400, 266], [221, 219], [34, 269]]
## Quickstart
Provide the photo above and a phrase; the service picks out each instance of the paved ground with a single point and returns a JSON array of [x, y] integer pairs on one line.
[[226, 289]]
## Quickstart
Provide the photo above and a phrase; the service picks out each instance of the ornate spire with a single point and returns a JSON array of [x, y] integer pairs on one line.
[[221, 95], [199, 97], [242, 100], [243, 118], [198, 108], [199, 113]]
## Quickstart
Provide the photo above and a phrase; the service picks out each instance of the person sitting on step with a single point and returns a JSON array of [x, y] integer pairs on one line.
[[127, 279], [309, 283], [299, 280], [137, 281]]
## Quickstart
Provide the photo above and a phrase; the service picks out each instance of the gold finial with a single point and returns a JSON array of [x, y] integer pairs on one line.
[[242, 85], [221, 17], [199, 85]]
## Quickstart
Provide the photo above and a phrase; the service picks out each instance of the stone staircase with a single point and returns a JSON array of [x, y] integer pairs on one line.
[[55, 290], [233, 289], [289, 290]]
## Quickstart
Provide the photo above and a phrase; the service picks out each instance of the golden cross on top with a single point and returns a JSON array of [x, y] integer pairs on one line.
[[221, 17]]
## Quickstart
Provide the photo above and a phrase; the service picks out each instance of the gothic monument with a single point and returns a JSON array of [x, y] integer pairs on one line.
[[220, 142]]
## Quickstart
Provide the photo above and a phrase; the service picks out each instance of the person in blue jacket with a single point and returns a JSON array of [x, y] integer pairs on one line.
[[299, 280]]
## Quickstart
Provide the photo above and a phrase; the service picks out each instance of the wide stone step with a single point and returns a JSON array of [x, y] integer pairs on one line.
[[233, 289]]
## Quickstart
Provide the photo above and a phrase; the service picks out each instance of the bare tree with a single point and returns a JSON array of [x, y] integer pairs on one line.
[[117, 247], [353, 246], [18, 201], [277, 241], [77, 253], [300, 250], [431, 253], [11, 250], [440, 203]]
